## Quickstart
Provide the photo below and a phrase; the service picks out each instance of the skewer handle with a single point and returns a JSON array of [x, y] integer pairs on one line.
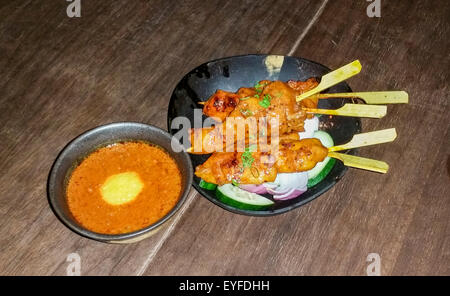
[[353, 110], [367, 139], [374, 97], [333, 78], [361, 162]]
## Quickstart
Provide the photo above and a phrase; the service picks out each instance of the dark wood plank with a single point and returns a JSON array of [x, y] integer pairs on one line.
[[118, 62], [403, 215], [426, 247]]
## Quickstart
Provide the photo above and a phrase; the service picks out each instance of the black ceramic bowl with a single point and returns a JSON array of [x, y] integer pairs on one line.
[[102, 136], [234, 72]]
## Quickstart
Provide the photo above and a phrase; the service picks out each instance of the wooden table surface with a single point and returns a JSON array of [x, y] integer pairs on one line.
[[120, 61]]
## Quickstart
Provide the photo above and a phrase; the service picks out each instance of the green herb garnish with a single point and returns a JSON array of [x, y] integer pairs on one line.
[[256, 96], [255, 172], [235, 183], [265, 102], [258, 87], [247, 157]]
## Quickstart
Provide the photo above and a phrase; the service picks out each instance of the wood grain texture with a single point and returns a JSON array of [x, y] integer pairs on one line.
[[118, 62], [403, 215]]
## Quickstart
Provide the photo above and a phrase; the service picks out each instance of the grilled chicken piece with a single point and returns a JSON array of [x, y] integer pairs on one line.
[[259, 167], [299, 156], [268, 100], [220, 104]]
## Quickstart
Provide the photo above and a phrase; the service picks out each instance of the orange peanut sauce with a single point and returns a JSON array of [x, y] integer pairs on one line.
[[156, 170]]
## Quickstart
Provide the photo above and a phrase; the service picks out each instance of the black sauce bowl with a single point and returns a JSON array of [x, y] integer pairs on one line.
[[102, 136]]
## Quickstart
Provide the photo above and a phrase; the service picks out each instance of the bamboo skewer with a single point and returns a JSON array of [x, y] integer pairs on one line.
[[361, 162], [353, 110], [333, 78], [367, 139], [374, 97]]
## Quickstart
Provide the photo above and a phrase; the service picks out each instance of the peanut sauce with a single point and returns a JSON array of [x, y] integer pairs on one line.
[[158, 172]]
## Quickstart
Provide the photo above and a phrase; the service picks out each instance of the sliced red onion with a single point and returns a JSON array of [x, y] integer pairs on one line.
[[270, 185], [289, 185], [258, 189], [292, 180], [293, 193], [279, 190]]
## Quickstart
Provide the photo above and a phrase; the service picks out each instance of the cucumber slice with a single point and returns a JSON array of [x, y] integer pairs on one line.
[[321, 170], [241, 199], [208, 186], [329, 164], [325, 138]]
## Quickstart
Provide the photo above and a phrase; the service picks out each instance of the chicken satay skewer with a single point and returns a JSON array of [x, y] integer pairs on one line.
[[222, 103], [359, 140], [292, 156]]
